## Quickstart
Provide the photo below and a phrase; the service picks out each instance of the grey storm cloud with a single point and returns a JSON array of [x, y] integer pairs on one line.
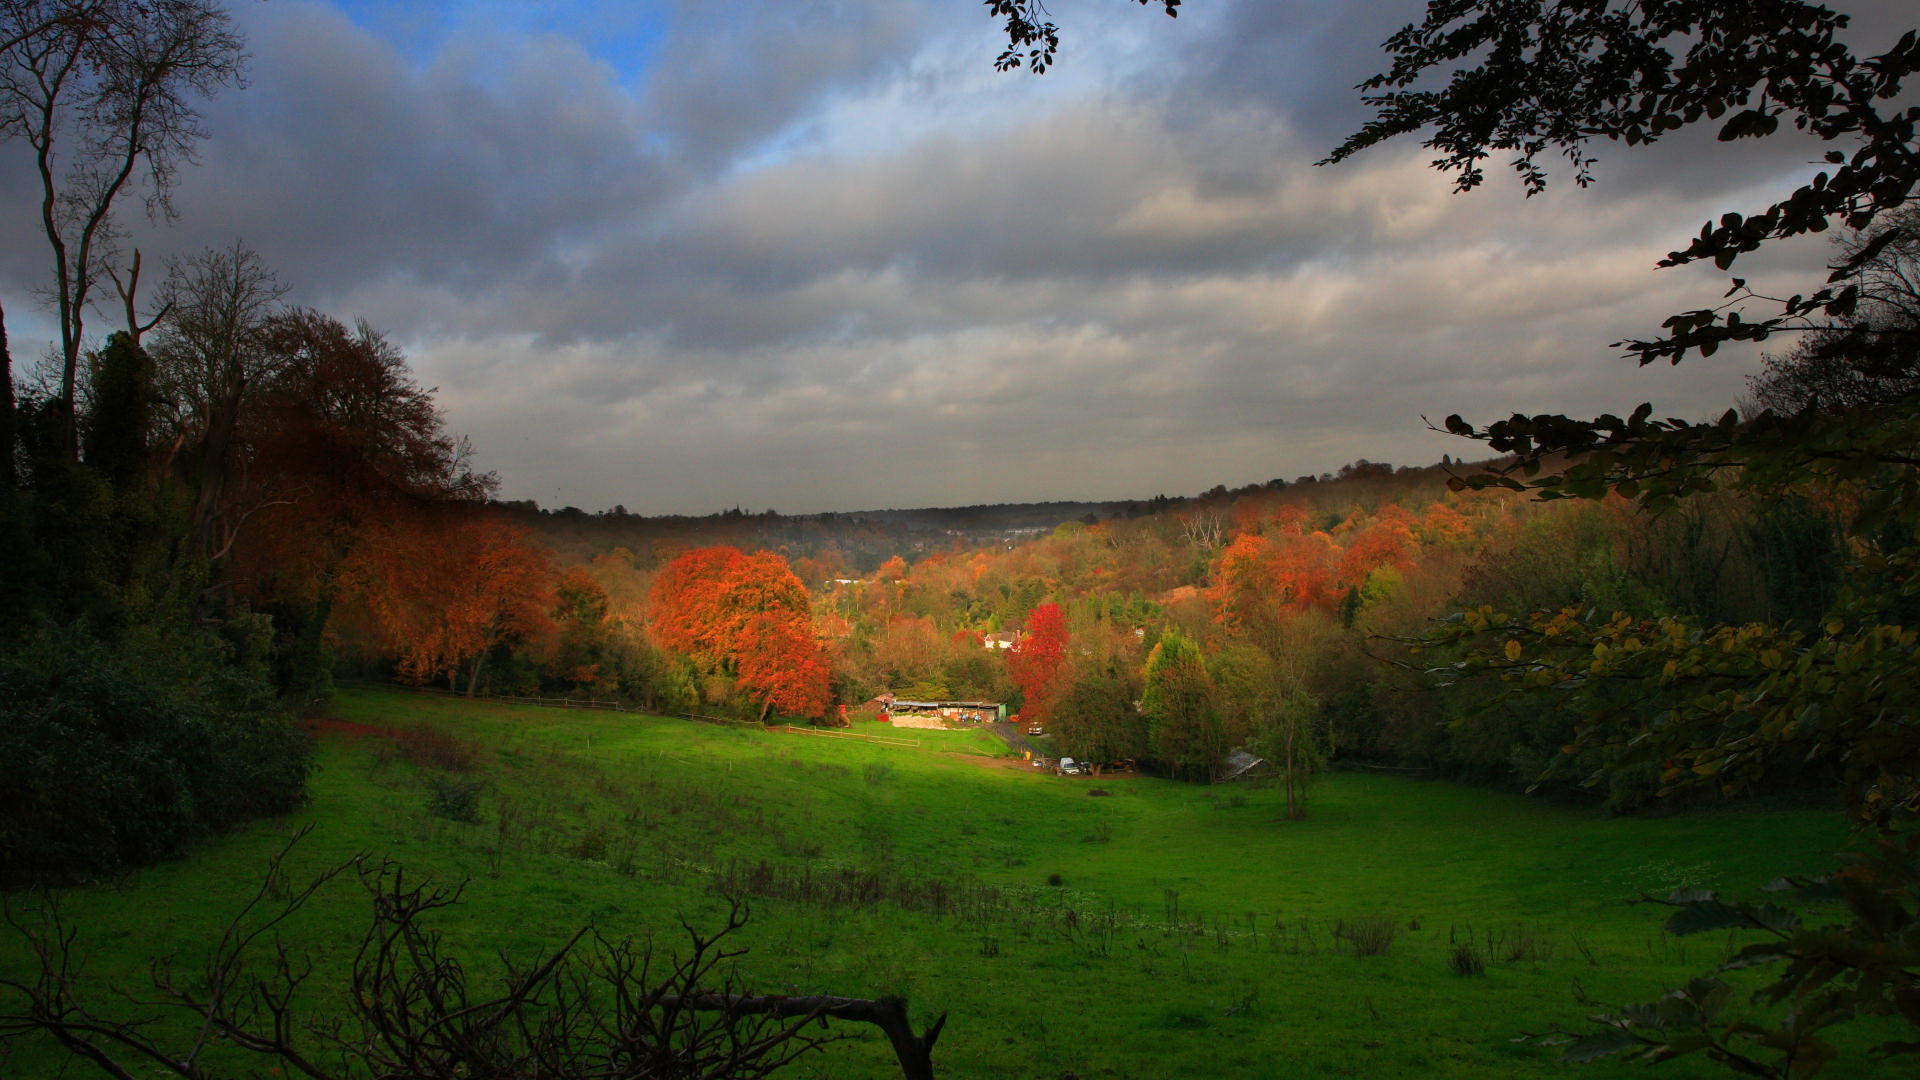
[[819, 256]]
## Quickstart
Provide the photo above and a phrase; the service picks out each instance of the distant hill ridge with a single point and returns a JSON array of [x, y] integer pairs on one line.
[[862, 540]]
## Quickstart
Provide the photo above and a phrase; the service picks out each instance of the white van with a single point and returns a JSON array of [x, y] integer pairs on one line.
[[1069, 767]]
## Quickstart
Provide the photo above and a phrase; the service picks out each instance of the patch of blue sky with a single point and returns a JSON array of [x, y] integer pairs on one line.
[[948, 89], [626, 35]]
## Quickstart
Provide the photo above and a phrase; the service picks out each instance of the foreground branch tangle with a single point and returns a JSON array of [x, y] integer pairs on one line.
[[593, 1009]]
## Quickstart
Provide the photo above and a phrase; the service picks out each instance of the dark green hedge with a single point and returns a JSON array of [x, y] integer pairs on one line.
[[118, 757]]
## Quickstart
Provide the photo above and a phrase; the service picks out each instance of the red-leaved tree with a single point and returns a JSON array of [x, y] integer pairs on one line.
[[1034, 663]]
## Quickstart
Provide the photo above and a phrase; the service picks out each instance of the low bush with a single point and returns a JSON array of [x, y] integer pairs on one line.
[[1465, 960], [457, 798], [432, 747], [119, 757]]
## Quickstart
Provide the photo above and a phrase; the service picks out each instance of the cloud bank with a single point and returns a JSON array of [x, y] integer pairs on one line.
[[819, 256]]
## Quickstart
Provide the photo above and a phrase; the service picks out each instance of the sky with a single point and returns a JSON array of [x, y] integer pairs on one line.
[[817, 255]]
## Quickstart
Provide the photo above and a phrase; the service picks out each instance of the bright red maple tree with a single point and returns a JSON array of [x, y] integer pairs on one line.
[[1034, 663]]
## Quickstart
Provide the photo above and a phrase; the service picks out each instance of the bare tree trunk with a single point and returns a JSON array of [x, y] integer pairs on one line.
[[7, 426], [213, 472]]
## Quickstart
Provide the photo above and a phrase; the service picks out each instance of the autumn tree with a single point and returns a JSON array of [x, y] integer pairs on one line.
[[745, 616], [335, 445], [446, 588], [1261, 580], [1034, 663], [906, 655], [781, 665]]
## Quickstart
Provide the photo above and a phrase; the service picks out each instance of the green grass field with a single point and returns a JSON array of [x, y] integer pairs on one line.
[[1158, 929]]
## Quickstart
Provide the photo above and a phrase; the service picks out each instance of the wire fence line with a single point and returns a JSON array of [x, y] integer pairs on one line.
[[884, 739], [616, 706]]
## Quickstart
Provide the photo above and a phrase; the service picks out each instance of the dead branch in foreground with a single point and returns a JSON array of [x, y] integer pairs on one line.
[[593, 1013]]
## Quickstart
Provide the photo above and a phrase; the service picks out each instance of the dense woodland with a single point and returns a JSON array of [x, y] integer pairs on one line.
[[1289, 606]]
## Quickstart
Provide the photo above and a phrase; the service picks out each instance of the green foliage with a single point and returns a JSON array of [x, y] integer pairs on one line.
[[1094, 718], [118, 758], [1825, 975], [1183, 721]]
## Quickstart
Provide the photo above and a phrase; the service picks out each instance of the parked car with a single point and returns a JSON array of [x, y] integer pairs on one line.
[[1069, 767], [1035, 729]]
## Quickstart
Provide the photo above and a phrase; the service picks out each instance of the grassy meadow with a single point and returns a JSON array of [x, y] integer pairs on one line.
[[1071, 927]]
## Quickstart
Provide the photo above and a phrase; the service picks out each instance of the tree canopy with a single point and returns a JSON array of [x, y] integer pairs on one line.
[[747, 616]]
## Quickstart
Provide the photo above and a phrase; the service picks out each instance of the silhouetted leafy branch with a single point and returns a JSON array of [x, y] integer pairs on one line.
[[1032, 38], [1828, 974]]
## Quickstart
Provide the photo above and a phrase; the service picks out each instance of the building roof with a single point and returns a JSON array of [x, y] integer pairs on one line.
[[1239, 763]]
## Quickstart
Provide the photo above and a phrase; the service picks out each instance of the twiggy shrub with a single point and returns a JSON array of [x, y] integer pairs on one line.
[[432, 747], [1368, 935], [1465, 960], [456, 798]]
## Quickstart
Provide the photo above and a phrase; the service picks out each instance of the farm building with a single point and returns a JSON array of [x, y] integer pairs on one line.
[[945, 713]]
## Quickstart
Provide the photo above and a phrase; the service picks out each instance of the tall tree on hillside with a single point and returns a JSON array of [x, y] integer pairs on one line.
[[104, 93], [745, 616], [1035, 660], [212, 353], [1183, 722], [336, 444], [781, 665], [1094, 717], [446, 588]]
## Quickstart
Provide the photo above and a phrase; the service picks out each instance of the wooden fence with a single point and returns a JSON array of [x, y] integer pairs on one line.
[[882, 739], [615, 706]]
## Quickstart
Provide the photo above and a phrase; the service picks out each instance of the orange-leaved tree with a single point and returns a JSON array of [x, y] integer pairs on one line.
[[781, 664], [443, 589], [745, 615]]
